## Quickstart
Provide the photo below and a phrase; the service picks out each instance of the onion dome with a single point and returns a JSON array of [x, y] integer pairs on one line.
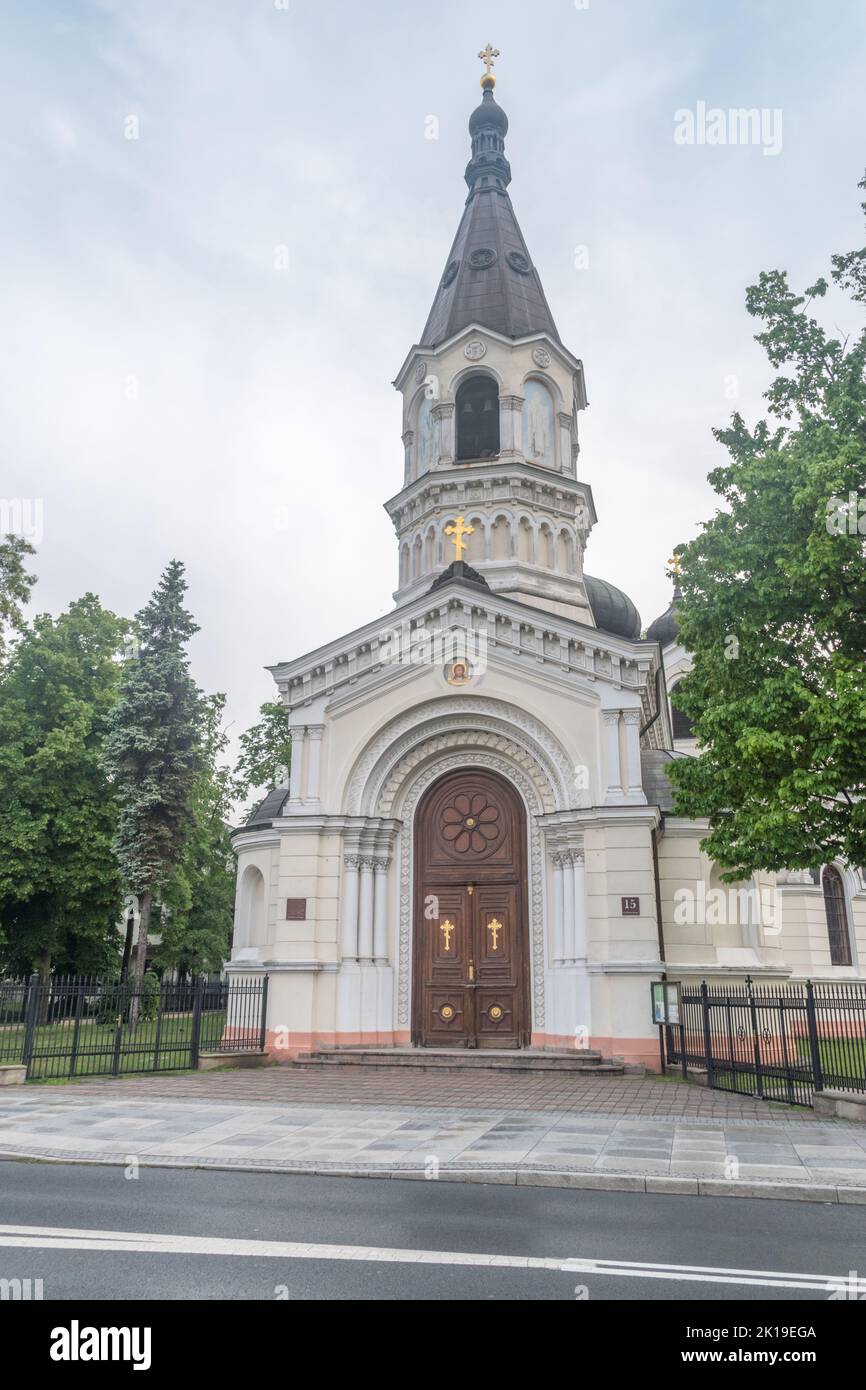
[[612, 610], [664, 629], [488, 116]]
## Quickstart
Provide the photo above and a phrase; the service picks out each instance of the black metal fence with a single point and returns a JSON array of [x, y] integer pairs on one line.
[[779, 1042], [90, 1027]]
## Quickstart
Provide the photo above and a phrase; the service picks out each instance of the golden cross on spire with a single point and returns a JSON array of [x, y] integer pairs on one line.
[[487, 55], [458, 530], [675, 565]]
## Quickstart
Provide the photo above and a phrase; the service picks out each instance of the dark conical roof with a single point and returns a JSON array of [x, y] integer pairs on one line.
[[612, 609], [489, 277]]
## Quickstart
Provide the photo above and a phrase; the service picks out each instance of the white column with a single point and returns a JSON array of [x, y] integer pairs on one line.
[[297, 735], [380, 911], [579, 892], [315, 732], [510, 417], [408, 441], [444, 413], [365, 912], [614, 776], [634, 781], [559, 911], [568, 918], [349, 917], [564, 450]]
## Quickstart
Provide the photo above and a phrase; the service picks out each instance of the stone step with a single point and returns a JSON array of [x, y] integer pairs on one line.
[[459, 1059]]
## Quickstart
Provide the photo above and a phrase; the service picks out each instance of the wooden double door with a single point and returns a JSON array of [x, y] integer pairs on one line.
[[470, 919]]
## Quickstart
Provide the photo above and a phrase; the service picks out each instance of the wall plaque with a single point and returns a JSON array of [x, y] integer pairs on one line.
[[296, 909], [630, 907]]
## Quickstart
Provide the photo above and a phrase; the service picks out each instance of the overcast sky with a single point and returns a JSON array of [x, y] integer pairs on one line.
[[175, 384]]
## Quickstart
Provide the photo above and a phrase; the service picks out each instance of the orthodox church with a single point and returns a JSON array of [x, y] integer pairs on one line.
[[477, 846]]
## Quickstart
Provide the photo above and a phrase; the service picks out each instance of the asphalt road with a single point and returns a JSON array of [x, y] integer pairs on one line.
[[92, 1233]]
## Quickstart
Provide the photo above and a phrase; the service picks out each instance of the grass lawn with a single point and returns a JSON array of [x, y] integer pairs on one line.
[[96, 1043], [842, 1059]]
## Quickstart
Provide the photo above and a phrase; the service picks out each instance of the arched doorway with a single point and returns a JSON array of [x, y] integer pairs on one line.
[[471, 924]]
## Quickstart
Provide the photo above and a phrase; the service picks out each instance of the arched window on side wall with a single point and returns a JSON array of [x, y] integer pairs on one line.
[[837, 916], [681, 725], [477, 412]]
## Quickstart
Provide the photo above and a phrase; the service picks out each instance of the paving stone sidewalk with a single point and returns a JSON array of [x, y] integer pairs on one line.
[[780, 1156], [569, 1093]]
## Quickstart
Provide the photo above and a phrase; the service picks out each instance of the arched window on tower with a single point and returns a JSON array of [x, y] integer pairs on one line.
[[477, 411], [681, 725], [837, 916]]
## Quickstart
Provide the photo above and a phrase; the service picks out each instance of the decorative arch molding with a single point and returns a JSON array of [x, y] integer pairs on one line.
[[481, 368], [548, 383], [837, 911], [468, 722], [252, 909], [420, 780]]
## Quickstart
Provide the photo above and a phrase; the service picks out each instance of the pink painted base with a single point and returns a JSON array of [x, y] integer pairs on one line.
[[643, 1051], [285, 1047]]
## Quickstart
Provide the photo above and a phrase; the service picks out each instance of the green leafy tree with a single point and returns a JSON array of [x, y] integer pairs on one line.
[[197, 908], [15, 586], [60, 892], [774, 603], [153, 752], [265, 757]]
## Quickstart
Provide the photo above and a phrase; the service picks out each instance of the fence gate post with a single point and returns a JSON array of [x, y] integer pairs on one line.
[[195, 1037], [263, 1019], [756, 1045], [708, 1039], [79, 1000], [31, 1013], [814, 1049]]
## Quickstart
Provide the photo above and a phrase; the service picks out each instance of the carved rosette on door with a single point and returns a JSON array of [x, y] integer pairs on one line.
[[470, 960]]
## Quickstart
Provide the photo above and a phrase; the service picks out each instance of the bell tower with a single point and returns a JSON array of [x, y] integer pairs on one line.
[[491, 399]]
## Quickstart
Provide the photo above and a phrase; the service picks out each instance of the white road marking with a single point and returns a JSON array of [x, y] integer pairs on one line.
[[148, 1242]]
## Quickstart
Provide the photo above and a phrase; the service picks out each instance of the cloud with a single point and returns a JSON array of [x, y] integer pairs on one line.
[[168, 389]]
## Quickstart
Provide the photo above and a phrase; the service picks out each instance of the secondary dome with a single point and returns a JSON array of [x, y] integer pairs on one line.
[[612, 609], [664, 629]]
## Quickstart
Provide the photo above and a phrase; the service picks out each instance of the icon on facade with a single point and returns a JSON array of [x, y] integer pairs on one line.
[[458, 672]]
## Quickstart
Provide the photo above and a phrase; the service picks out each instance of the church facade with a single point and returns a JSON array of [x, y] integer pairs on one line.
[[477, 846]]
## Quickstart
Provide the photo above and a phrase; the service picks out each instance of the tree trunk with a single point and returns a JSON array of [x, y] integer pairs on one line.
[[139, 958], [127, 947]]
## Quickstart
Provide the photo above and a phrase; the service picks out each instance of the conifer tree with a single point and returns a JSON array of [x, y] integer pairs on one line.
[[153, 751]]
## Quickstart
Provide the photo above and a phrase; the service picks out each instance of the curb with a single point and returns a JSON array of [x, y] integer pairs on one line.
[[507, 1177]]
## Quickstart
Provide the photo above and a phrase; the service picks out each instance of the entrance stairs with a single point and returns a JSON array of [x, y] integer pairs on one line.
[[543, 1060]]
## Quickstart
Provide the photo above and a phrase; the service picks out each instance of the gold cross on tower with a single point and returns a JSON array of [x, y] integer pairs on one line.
[[487, 55], [458, 530], [675, 565]]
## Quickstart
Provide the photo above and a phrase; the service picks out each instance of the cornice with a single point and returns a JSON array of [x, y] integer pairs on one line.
[[567, 359], [461, 475], [354, 660]]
